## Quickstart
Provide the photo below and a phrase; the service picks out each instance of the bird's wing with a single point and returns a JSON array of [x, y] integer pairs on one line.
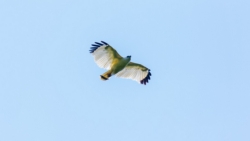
[[136, 72], [104, 54]]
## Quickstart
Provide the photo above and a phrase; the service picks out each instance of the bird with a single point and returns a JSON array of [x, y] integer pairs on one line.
[[105, 56]]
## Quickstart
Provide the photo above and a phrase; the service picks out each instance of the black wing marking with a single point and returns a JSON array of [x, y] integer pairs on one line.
[[96, 46], [145, 80]]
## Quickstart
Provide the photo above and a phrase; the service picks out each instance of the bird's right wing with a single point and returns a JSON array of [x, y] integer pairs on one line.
[[105, 56], [135, 72]]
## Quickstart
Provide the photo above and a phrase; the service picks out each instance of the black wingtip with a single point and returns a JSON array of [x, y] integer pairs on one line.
[[98, 43], [145, 80], [96, 46], [104, 43]]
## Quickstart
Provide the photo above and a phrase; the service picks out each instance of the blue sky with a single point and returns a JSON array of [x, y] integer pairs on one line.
[[198, 53]]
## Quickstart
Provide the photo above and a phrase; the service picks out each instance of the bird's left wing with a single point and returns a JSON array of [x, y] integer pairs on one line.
[[135, 72], [104, 55]]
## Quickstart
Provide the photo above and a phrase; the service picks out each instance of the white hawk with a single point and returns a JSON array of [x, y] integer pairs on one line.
[[108, 58]]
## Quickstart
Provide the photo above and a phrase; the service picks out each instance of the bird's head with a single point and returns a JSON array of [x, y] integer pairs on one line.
[[129, 56]]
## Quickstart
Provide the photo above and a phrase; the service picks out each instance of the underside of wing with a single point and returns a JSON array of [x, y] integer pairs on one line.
[[135, 72], [104, 54]]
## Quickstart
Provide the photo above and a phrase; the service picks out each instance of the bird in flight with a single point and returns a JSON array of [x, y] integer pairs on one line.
[[108, 58]]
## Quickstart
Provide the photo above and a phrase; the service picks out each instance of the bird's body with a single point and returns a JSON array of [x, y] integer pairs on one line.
[[116, 67], [120, 65], [107, 57]]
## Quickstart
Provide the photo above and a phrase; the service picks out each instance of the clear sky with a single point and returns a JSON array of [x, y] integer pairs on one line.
[[198, 52]]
